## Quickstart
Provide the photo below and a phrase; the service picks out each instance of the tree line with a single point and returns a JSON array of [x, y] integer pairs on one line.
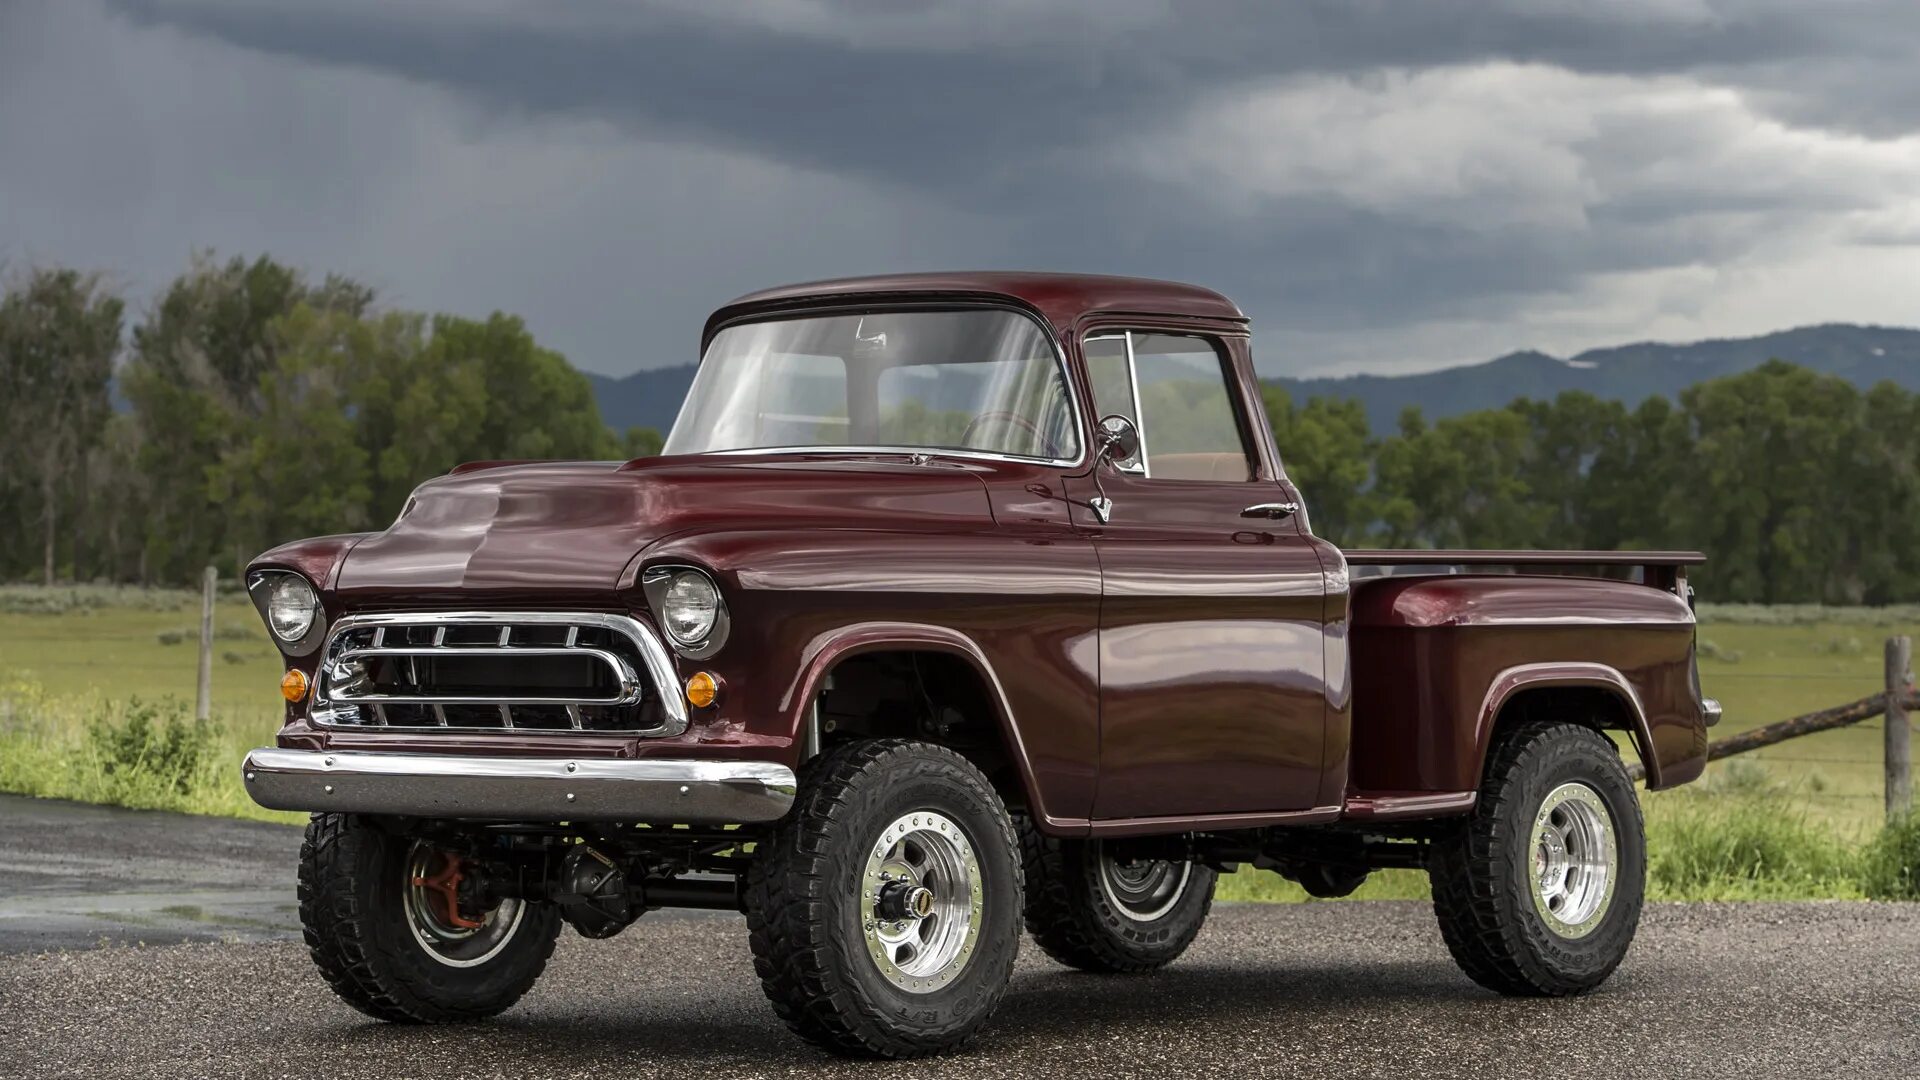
[[1800, 487], [258, 405]]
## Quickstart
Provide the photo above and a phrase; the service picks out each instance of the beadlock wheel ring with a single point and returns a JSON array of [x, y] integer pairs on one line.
[[922, 850], [1574, 860]]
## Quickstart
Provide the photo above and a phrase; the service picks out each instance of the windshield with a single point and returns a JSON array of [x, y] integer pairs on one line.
[[984, 380]]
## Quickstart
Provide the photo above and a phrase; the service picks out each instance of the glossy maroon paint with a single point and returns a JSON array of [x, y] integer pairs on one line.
[[1178, 667], [1063, 301], [1435, 658]]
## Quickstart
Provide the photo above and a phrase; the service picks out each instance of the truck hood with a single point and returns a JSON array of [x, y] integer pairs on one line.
[[580, 525]]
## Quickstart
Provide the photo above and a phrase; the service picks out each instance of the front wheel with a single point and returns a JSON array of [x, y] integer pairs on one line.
[[1098, 907], [398, 931], [1539, 891], [885, 909]]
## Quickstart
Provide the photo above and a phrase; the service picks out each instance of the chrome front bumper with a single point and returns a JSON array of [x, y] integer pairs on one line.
[[518, 788]]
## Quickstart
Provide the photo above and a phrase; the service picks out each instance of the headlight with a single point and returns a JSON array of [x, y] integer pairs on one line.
[[689, 608], [291, 608]]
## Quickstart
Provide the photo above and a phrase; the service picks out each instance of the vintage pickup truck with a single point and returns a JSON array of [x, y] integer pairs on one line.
[[956, 602]]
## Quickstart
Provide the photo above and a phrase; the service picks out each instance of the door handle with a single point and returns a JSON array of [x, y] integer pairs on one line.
[[1271, 510]]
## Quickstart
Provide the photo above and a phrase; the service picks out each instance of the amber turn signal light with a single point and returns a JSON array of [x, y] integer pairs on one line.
[[703, 689], [293, 685]]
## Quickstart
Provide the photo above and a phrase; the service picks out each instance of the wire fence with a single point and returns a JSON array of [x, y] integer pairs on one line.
[[1850, 729]]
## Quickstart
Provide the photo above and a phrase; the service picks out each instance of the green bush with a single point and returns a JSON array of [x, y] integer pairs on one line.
[[1744, 836], [123, 753], [1890, 865], [153, 745]]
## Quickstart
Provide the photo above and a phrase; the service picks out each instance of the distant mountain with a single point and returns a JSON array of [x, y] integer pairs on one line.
[[642, 399], [1863, 355], [1630, 373]]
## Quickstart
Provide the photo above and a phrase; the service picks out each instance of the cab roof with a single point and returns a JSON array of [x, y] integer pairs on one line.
[[1062, 299]]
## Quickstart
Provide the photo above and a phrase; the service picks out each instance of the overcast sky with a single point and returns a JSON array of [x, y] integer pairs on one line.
[[1381, 185]]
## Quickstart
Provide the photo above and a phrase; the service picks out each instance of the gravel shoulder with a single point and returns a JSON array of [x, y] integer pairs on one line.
[[1339, 989]]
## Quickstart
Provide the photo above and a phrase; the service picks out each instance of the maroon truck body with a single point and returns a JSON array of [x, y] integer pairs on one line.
[[898, 699], [1177, 667]]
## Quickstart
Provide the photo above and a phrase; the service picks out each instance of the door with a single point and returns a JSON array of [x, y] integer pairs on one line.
[[1212, 667]]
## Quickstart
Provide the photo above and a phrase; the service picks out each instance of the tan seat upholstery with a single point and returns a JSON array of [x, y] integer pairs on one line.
[[1198, 466]]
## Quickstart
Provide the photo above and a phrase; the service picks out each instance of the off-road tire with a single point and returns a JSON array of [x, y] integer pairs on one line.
[[1481, 868], [355, 923], [804, 899], [1073, 920]]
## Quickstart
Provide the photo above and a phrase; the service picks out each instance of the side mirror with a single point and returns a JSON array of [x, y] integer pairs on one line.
[[1119, 439]]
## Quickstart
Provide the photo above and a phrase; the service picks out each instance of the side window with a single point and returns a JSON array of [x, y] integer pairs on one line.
[[1112, 378], [1174, 387]]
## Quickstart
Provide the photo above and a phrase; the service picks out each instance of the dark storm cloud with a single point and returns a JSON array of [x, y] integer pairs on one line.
[[910, 100], [1378, 182]]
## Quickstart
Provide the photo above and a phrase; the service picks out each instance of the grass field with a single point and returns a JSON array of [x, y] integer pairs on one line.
[[96, 683]]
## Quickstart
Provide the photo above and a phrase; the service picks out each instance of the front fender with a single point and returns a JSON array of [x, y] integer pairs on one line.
[[827, 650]]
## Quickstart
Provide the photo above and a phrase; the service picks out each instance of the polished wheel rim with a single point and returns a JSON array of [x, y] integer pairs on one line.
[[429, 892], [1142, 889], [1575, 860], [920, 901]]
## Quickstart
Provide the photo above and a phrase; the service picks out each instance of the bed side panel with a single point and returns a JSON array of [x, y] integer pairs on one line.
[[1427, 652]]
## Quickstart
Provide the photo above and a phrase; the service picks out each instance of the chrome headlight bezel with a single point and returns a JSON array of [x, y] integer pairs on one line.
[[264, 587], [666, 588]]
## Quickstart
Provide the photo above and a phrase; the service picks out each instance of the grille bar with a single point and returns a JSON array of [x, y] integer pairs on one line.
[[630, 687], [348, 691]]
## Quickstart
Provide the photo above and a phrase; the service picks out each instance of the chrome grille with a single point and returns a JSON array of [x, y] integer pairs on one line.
[[467, 671]]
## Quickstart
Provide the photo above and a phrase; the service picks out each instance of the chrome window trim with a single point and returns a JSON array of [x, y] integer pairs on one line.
[[1139, 409], [1065, 370], [1142, 470], [653, 653], [902, 451], [1251, 452]]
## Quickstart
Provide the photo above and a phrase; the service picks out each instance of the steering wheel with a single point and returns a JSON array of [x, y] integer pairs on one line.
[[1016, 420]]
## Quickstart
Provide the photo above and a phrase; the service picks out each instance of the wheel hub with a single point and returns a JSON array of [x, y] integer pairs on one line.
[[443, 926], [922, 896], [1142, 889], [904, 900], [1575, 860]]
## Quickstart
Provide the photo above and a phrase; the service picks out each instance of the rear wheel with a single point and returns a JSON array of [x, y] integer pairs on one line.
[[1539, 891], [393, 926], [1096, 907], [885, 908]]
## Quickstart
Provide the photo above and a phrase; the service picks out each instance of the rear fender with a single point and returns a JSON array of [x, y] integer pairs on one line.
[[1523, 677]]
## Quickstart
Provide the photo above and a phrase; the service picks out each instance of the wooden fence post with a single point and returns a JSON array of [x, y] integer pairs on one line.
[[203, 705], [1898, 735]]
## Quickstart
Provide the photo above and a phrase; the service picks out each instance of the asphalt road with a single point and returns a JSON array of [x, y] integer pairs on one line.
[[1344, 990]]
